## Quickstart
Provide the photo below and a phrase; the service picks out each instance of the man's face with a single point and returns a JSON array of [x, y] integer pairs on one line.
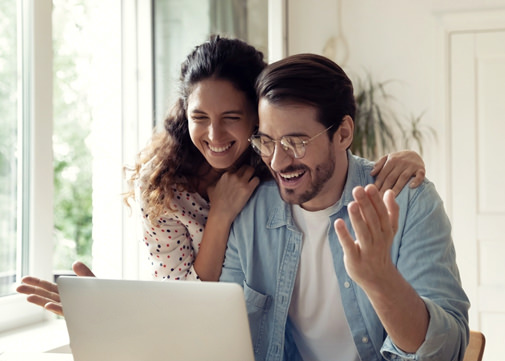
[[316, 180]]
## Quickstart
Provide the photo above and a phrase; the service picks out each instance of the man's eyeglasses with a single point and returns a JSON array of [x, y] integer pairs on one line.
[[295, 146]]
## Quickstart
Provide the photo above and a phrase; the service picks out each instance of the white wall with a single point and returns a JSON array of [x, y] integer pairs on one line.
[[393, 39]]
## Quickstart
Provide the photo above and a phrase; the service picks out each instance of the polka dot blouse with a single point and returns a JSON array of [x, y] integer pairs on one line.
[[173, 240]]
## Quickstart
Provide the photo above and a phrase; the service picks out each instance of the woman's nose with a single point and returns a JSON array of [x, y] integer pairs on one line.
[[215, 131]]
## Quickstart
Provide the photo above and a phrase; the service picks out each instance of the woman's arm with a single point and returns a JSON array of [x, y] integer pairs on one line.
[[393, 171], [169, 241], [227, 198]]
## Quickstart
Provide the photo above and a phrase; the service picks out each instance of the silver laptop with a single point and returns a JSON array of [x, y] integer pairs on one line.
[[123, 320]]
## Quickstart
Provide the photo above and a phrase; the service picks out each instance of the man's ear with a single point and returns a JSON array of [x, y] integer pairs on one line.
[[344, 134]]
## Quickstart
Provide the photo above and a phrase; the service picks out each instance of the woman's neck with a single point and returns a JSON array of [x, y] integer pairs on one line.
[[206, 177]]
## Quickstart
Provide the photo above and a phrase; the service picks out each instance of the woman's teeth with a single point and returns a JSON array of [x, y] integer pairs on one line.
[[219, 149]]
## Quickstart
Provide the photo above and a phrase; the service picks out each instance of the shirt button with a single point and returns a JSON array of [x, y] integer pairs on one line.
[[347, 284], [364, 339]]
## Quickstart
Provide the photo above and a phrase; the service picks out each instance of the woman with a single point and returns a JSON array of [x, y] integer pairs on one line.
[[203, 158]]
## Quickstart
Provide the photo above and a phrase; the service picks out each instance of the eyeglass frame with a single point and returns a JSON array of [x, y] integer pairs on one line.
[[285, 146]]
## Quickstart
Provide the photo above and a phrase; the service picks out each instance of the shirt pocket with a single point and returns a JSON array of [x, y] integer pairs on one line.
[[257, 305]]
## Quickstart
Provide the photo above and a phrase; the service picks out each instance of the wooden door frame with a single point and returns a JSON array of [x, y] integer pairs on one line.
[[448, 25]]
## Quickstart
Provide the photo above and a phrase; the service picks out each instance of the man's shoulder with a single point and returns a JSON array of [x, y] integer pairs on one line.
[[359, 171], [266, 191], [425, 189], [265, 197]]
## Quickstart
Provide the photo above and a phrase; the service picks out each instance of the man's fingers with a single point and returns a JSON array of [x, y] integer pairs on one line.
[[379, 213], [363, 215], [82, 270], [344, 236], [393, 210], [48, 304], [37, 282], [38, 292], [38, 300], [54, 308]]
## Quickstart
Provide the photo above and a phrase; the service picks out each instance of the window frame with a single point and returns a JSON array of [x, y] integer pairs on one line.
[[35, 171]]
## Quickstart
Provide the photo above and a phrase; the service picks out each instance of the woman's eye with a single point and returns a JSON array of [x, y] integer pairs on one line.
[[199, 119]]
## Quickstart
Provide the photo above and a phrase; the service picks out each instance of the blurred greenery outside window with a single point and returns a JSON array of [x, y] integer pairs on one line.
[[73, 210], [9, 124]]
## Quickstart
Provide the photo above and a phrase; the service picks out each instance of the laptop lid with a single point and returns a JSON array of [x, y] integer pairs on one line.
[[130, 320]]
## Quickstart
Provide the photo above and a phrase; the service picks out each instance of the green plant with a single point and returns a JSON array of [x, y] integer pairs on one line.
[[378, 128]]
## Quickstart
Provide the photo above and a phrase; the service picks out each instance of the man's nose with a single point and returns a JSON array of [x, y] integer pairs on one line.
[[280, 158]]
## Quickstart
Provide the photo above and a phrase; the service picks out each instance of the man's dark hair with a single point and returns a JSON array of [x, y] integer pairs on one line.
[[312, 80]]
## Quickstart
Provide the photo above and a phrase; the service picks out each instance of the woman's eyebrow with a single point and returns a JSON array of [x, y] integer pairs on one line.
[[197, 111], [233, 112], [227, 112]]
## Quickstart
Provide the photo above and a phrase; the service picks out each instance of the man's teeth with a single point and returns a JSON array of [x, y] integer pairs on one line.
[[219, 149], [292, 175]]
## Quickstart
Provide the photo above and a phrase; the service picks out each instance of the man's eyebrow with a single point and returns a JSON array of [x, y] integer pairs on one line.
[[285, 135]]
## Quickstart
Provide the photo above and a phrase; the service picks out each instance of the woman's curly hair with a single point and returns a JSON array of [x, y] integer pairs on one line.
[[171, 159]]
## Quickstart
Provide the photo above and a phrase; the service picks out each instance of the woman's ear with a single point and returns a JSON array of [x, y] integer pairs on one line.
[[345, 132]]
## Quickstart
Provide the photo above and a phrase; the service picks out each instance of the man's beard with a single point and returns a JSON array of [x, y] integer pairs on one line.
[[323, 172]]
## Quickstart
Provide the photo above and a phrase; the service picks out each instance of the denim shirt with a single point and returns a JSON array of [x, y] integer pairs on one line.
[[264, 252]]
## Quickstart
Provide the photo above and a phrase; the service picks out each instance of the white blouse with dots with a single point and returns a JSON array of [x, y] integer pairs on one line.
[[173, 240]]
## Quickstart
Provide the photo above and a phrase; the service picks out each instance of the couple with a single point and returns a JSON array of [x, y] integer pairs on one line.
[[329, 266]]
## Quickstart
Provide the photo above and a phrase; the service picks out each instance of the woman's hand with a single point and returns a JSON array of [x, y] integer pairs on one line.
[[227, 198], [393, 171], [45, 294], [232, 191]]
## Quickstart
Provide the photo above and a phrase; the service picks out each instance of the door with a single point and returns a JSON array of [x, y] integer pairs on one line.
[[477, 128]]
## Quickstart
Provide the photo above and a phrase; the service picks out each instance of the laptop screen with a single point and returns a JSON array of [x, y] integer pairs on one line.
[[155, 320]]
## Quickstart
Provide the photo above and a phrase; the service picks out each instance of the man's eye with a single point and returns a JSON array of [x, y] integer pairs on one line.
[[295, 142]]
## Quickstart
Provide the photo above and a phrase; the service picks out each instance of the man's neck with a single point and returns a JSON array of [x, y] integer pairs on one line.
[[332, 190]]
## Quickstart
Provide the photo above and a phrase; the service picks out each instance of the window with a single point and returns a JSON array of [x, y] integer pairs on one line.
[[77, 85], [38, 163], [9, 134], [181, 25], [26, 166], [86, 105]]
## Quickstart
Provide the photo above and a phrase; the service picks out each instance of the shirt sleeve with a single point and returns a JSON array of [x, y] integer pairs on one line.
[[426, 258], [170, 253], [232, 269]]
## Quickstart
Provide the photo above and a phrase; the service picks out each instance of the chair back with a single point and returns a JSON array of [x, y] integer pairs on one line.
[[475, 348]]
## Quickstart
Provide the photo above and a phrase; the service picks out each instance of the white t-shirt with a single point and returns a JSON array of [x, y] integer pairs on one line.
[[320, 331]]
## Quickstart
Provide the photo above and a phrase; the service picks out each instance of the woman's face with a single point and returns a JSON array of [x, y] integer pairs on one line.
[[220, 121]]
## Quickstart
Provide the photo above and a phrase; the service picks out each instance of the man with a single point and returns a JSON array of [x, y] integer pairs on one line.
[[330, 269]]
